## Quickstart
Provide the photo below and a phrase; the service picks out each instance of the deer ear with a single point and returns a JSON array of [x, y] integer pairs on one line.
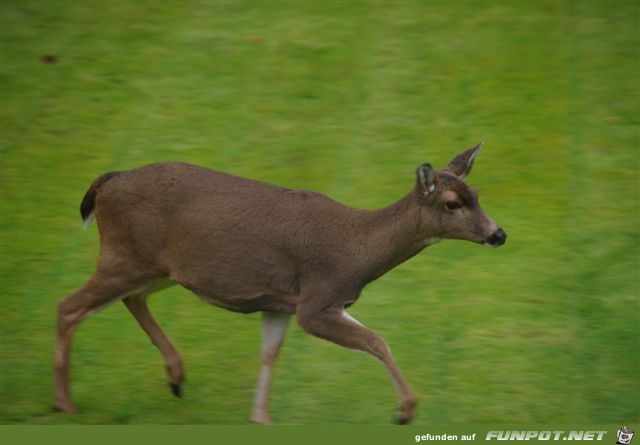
[[426, 179], [461, 164]]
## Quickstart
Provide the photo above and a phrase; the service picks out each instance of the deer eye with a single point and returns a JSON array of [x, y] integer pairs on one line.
[[453, 205]]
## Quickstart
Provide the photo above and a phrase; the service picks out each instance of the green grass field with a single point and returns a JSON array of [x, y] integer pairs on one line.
[[347, 99]]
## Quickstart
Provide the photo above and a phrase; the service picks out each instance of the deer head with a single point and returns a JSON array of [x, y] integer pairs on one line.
[[452, 206]]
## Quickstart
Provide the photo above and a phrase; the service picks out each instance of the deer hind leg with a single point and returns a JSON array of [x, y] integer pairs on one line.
[[274, 328], [100, 291], [137, 305], [339, 327]]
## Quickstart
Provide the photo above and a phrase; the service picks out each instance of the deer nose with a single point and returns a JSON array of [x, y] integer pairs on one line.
[[498, 238]]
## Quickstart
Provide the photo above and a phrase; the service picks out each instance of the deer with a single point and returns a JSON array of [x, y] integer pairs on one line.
[[248, 246]]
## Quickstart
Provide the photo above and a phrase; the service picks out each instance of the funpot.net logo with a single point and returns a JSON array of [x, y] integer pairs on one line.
[[624, 435]]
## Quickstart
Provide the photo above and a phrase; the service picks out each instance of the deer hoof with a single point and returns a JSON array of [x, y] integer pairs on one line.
[[176, 390], [65, 407], [406, 411], [260, 417], [399, 420]]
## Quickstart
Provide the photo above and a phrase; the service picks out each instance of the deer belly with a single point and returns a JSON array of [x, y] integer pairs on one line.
[[255, 292], [239, 280], [252, 303]]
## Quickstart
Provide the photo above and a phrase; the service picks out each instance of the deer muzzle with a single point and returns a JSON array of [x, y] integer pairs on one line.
[[498, 238]]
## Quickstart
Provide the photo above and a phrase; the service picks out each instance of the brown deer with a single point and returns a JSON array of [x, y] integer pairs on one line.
[[248, 246]]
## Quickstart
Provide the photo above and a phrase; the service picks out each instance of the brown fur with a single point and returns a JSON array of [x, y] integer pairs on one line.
[[249, 246]]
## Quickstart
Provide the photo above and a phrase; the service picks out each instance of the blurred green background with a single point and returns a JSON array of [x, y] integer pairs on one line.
[[345, 98]]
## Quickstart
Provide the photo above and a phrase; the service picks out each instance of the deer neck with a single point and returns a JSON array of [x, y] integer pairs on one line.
[[392, 235]]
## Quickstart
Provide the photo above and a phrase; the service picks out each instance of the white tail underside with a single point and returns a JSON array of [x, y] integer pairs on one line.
[[87, 221]]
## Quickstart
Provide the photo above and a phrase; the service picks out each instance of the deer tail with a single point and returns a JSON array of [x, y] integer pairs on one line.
[[87, 206]]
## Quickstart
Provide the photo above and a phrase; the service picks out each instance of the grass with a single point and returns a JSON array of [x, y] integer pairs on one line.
[[346, 98]]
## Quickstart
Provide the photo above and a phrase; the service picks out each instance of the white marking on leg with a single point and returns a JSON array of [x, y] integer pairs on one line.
[[274, 327], [262, 391], [350, 318]]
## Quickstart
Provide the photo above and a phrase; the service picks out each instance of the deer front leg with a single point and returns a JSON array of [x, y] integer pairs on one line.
[[137, 305], [274, 328], [337, 326]]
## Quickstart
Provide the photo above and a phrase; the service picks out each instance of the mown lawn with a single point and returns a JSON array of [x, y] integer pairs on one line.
[[346, 98]]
